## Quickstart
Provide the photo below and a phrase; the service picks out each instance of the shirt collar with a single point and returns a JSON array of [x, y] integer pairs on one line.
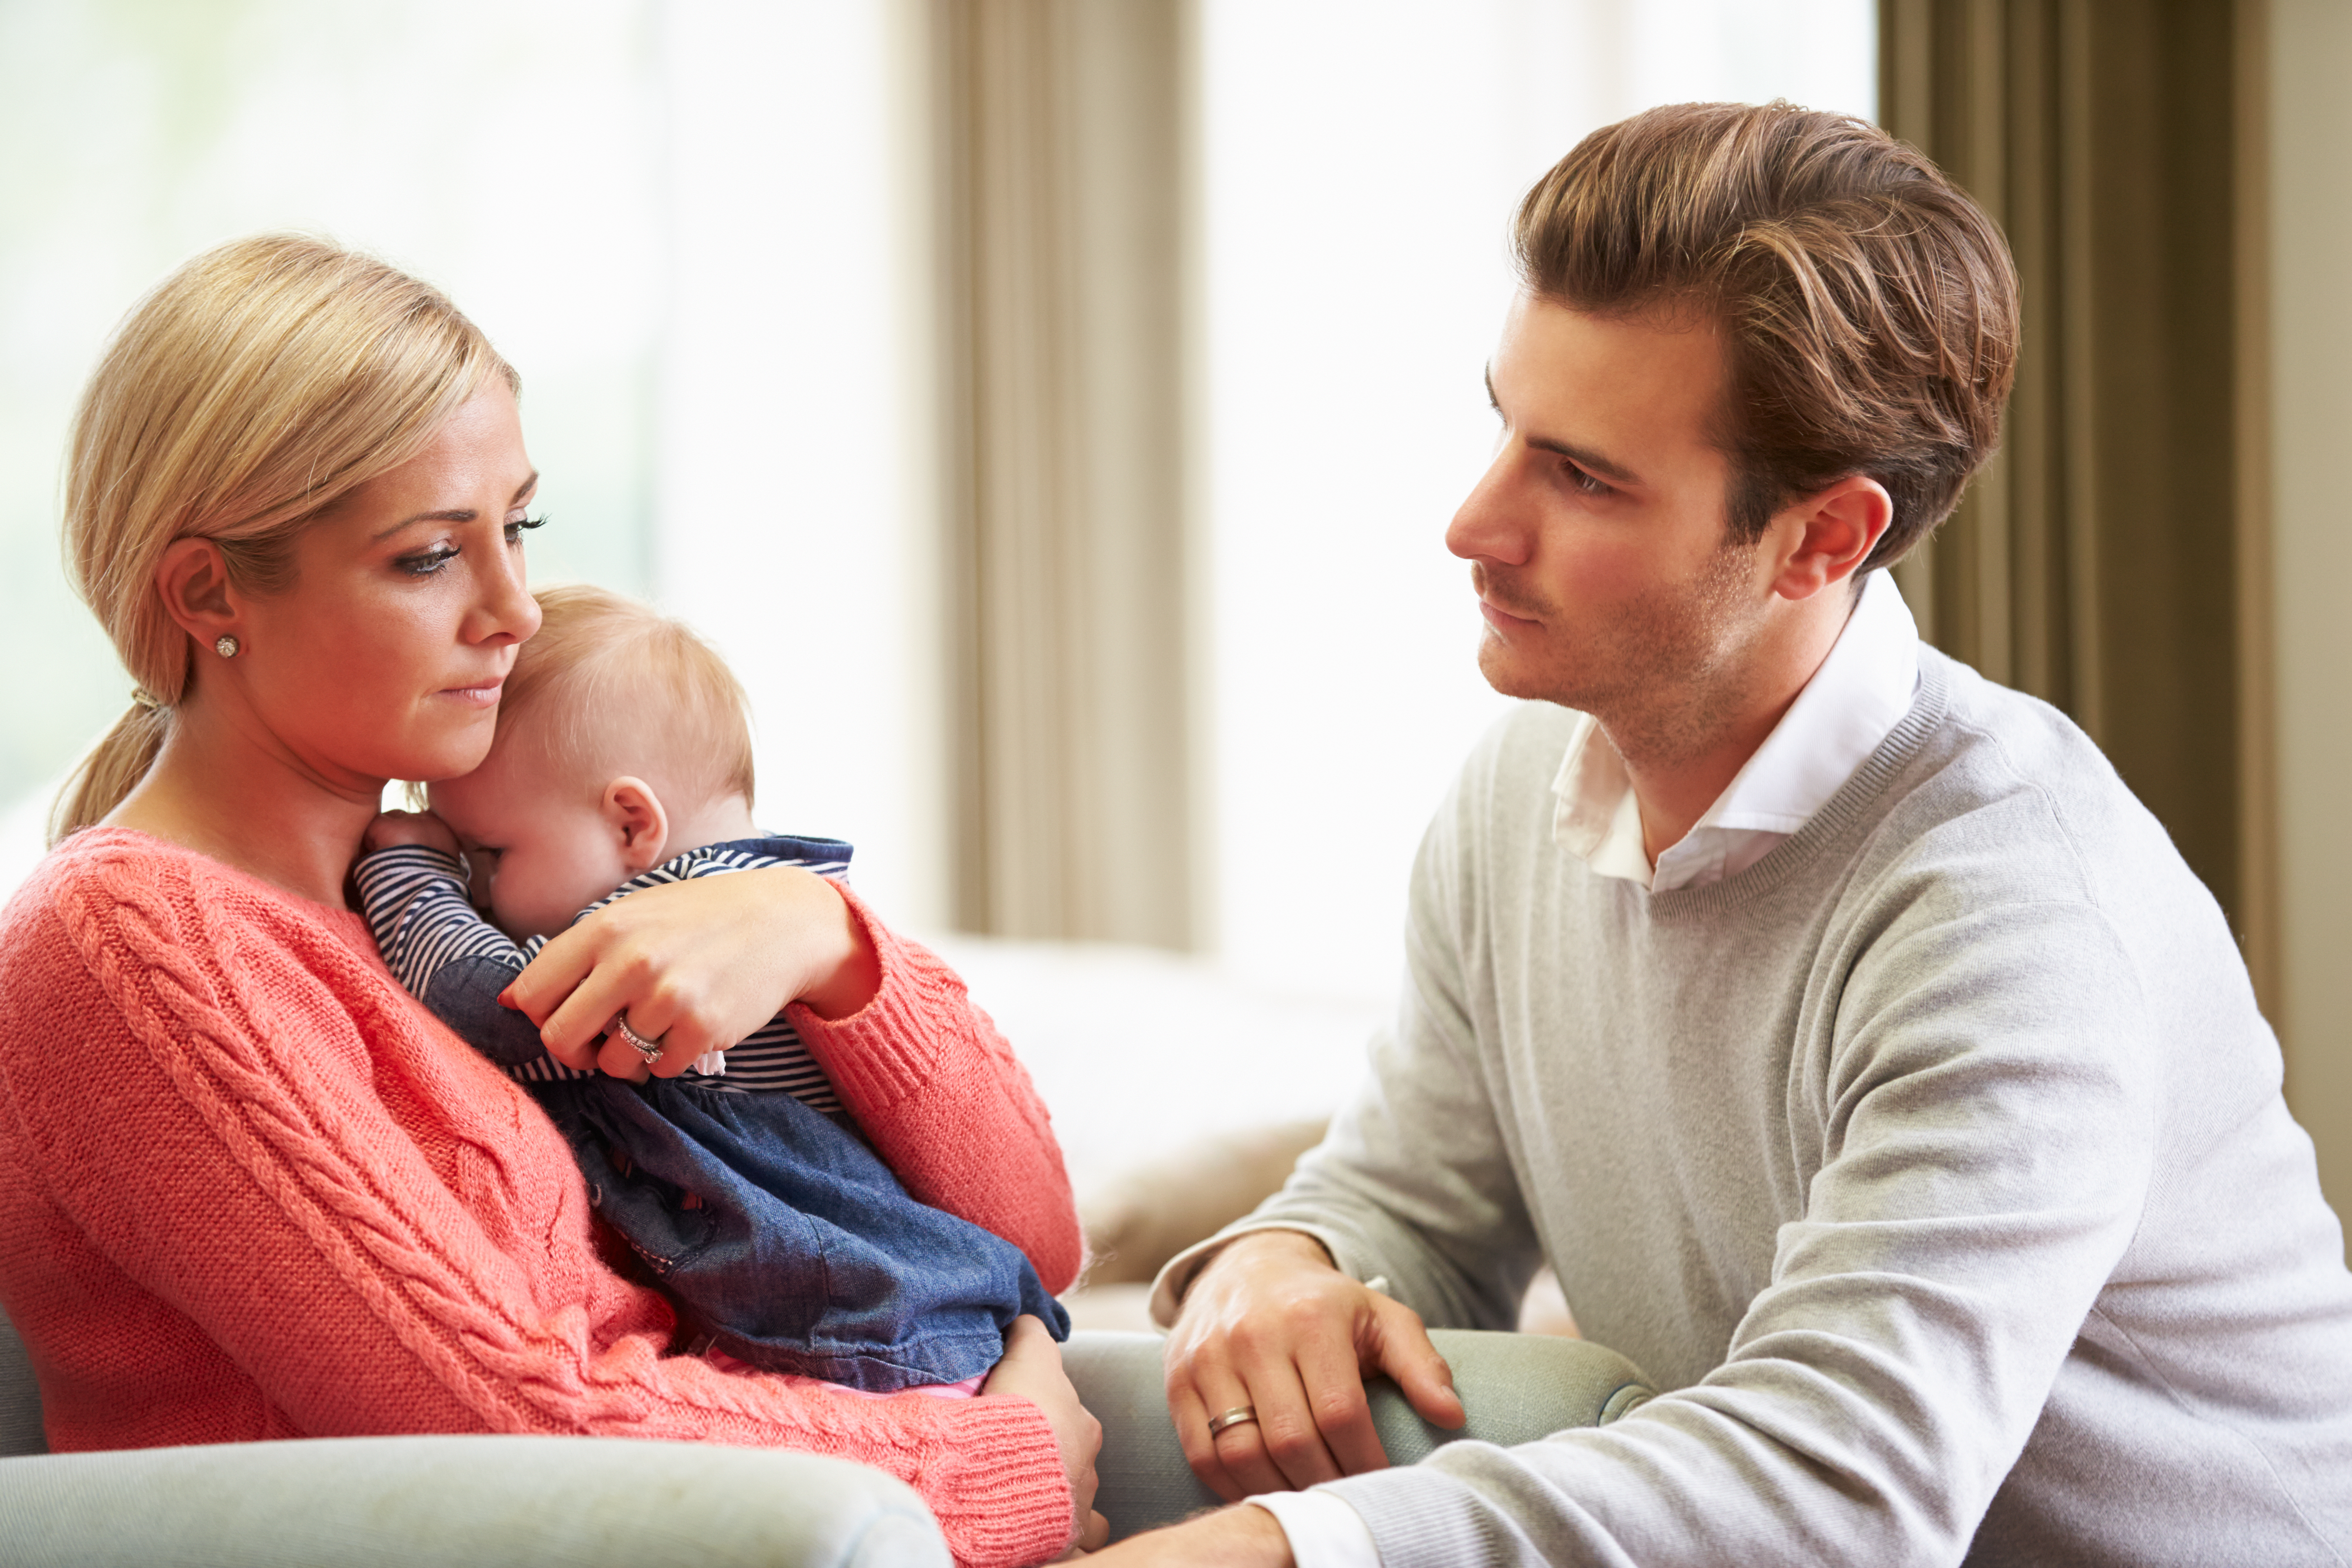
[[1853, 702]]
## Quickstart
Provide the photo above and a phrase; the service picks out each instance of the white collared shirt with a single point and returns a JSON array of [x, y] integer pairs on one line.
[[1849, 708], [1852, 704]]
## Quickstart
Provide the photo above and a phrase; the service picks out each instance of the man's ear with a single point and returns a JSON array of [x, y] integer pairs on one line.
[[634, 814], [1829, 534], [192, 579]]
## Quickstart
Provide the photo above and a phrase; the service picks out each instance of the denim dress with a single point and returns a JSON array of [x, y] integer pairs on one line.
[[750, 1196]]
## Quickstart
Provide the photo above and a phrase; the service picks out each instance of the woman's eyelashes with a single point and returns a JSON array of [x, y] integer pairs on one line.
[[425, 562]]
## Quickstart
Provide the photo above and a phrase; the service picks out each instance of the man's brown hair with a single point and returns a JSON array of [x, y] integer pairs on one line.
[[1868, 308]]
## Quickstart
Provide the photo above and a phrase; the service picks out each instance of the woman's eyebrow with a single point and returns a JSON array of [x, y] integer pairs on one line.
[[453, 514]]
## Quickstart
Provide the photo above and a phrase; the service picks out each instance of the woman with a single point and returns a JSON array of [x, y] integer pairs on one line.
[[256, 1192]]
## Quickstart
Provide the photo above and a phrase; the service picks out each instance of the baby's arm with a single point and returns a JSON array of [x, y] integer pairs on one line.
[[435, 944]]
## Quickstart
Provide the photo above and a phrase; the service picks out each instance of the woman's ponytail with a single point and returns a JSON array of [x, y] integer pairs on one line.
[[113, 767], [256, 385]]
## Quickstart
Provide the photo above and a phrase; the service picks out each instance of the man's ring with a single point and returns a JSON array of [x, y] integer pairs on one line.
[[1239, 1416], [649, 1049]]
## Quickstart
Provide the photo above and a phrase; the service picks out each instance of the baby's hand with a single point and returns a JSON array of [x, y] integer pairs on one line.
[[409, 827]]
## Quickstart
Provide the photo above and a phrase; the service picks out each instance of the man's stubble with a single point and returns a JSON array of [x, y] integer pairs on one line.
[[1662, 672]]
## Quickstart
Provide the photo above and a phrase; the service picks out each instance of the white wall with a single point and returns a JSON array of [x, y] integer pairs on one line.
[[504, 149], [2311, 403], [1361, 162], [795, 451]]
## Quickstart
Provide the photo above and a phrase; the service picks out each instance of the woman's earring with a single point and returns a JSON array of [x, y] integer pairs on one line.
[[227, 647]]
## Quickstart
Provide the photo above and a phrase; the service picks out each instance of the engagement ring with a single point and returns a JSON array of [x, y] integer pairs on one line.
[[649, 1049]]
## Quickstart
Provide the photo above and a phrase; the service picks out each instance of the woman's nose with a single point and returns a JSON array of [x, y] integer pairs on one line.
[[507, 613]]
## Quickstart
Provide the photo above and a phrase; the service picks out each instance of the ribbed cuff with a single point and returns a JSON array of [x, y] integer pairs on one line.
[[889, 1048], [999, 1493], [1419, 1518]]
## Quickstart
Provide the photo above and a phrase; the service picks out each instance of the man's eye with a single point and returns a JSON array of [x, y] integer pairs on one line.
[[1584, 481]]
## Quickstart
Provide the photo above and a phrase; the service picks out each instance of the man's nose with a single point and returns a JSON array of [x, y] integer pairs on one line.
[[1486, 527]]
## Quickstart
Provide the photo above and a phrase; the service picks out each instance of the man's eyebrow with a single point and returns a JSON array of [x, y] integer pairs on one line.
[[1583, 456], [453, 515]]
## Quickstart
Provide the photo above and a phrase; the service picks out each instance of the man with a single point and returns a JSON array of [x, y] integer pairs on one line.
[[1860, 1054]]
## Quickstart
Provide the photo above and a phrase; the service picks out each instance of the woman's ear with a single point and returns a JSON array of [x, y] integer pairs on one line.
[[634, 812], [193, 578]]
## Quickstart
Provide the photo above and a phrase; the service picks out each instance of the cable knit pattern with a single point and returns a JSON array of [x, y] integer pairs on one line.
[[921, 1029], [250, 1189]]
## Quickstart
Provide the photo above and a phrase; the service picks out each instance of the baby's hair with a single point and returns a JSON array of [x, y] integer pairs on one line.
[[599, 655]]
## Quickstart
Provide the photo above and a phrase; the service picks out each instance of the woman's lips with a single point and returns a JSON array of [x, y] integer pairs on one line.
[[484, 694]]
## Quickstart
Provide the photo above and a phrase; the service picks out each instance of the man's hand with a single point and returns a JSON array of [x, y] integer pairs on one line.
[[1271, 1325], [409, 827], [1032, 1370], [1230, 1538]]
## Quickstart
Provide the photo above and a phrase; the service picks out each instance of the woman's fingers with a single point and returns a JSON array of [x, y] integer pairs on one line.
[[1032, 1370], [698, 964], [1097, 1534]]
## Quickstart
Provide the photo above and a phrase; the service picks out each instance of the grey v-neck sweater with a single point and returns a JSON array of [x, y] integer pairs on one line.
[[1936, 1164]]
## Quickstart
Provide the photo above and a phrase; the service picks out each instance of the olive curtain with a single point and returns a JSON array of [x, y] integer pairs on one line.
[[2110, 560], [1059, 157]]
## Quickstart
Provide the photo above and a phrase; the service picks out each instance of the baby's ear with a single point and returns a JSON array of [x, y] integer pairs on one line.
[[634, 814]]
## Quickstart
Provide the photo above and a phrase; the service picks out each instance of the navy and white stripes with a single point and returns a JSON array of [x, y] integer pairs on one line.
[[415, 900]]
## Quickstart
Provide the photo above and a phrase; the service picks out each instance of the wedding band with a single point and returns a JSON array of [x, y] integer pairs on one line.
[[649, 1049], [1239, 1416]]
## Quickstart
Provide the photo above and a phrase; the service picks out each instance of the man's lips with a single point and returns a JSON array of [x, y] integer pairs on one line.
[[1500, 618]]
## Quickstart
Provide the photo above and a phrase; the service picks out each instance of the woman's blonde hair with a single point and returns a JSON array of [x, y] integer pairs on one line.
[[256, 387]]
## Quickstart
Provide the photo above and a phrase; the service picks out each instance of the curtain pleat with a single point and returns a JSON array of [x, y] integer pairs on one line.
[[2097, 560], [1059, 158]]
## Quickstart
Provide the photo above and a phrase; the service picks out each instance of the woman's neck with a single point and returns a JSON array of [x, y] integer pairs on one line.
[[229, 791]]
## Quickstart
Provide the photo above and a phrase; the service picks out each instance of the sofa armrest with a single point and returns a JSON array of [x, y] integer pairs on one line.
[[20, 1398], [458, 1502]]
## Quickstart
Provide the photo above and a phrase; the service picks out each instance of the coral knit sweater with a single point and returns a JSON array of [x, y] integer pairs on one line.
[[250, 1189]]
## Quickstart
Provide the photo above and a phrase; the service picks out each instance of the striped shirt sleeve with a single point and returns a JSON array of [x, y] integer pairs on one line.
[[440, 949]]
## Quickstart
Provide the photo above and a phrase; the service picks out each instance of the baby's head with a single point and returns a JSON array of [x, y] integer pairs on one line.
[[623, 741]]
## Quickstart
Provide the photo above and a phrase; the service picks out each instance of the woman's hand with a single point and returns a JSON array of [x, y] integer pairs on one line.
[[698, 966], [1032, 1370]]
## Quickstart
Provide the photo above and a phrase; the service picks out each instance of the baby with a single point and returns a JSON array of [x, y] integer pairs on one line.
[[623, 760]]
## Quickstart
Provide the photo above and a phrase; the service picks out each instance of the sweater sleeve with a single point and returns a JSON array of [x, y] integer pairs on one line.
[[935, 1086], [1992, 1140], [411, 1243], [1414, 1181]]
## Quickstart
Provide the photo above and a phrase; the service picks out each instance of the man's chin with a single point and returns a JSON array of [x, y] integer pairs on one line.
[[1505, 671], [1514, 676]]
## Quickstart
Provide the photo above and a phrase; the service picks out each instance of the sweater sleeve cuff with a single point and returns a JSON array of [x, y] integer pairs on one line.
[[998, 1489], [889, 1047]]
